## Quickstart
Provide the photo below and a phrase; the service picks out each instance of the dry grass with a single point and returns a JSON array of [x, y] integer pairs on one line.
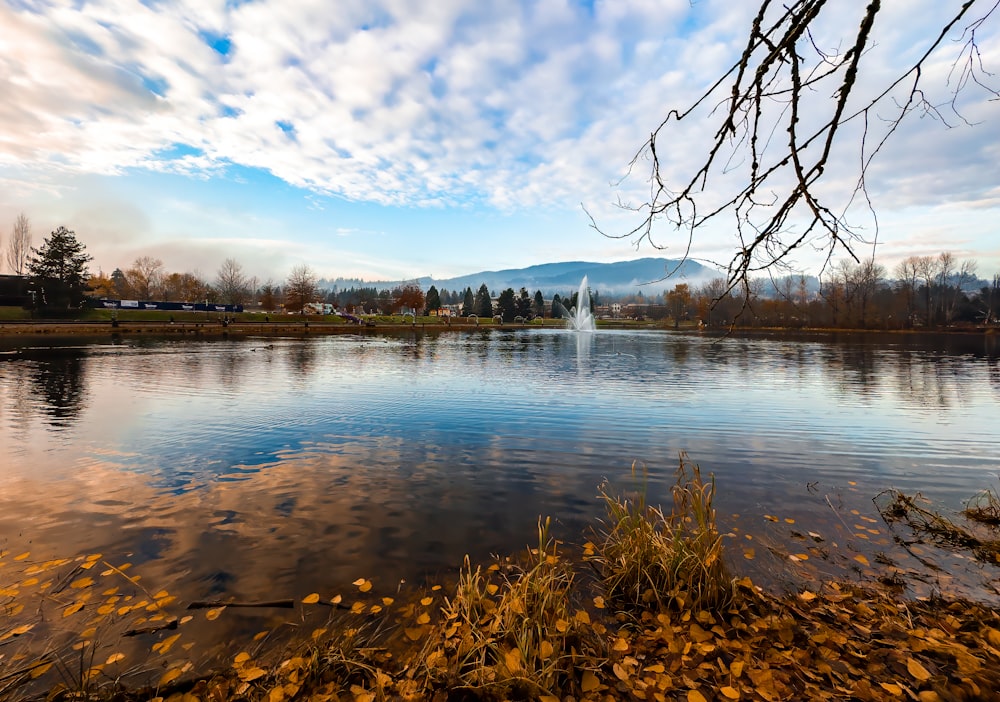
[[895, 506], [652, 559], [984, 508], [513, 630]]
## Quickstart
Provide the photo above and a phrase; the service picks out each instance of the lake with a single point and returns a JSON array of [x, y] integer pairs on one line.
[[274, 467]]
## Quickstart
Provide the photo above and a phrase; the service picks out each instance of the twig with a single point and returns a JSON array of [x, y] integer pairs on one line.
[[172, 624]]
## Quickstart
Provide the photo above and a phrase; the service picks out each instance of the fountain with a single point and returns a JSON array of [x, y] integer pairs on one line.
[[579, 318]]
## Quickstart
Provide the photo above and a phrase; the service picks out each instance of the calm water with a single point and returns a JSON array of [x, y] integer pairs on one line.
[[272, 468]]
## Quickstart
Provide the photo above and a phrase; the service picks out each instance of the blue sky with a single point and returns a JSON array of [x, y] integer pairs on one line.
[[387, 139]]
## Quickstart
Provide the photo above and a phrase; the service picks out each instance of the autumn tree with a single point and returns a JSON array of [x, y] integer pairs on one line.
[[785, 120], [300, 288], [101, 286], [679, 302], [58, 270], [145, 277], [19, 246], [408, 297]]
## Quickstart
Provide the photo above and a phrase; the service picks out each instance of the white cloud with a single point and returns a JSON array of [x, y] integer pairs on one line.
[[452, 103]]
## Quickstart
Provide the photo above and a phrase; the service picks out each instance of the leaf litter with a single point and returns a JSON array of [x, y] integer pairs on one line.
[[554, 623]]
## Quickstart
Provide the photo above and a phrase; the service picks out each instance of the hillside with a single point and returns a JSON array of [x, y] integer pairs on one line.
[[623, 277]]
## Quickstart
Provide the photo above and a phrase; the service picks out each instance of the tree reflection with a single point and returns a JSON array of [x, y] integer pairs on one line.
[[59, 380]]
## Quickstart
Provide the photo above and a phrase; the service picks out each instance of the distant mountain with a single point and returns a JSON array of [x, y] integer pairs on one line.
[[624, 277]]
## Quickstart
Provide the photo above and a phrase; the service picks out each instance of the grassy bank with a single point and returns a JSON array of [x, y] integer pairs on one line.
[[649, 608]]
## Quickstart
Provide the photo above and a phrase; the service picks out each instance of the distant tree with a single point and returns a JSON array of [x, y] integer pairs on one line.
[[120, 283], [58, 270], [300, 288], [523, 304], [433, 300], [408, 296], [19, 246], [468, 302], [268, 298], [101, 286], [484, 304], [145, 277], [557, 306], [232, 285], [538, 307], [507, 305], [679, 302]]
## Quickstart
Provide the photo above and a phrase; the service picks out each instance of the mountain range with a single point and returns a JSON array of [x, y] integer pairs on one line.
[[624, 277]]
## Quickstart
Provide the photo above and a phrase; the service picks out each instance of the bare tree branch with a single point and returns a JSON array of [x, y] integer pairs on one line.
[[780, 206]]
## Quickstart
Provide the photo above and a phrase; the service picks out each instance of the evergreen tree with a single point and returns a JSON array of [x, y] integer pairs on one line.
[[433, 300], [507, 305], [538, 307], [468, 303], [58, 270], [483, 304], [523, 304]]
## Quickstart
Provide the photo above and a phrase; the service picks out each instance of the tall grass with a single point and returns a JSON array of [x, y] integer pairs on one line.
[[513, 628], [649, 558]]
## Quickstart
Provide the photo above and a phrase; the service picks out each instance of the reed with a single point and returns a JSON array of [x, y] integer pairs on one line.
[[650, 559]]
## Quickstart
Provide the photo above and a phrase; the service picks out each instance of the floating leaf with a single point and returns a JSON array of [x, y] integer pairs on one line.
[[862, 560], [599, 602], [385, 601], [892, 688], [545, 650], [589, 682], [562, 626], [241, 658], [414, 633], [23, 629], [40, 670], [73, 609], [729, 692], [423, 618], [695, 696], [170, 676], [213, 614], [620, 672], [114, 658], [620, 644], [22, 556], [582, 616], [311, 598], [426, 601], [492, 589], [363, 585]]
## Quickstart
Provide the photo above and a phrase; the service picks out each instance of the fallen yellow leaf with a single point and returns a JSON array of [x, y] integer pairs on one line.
[[919, 672], [311, 598]]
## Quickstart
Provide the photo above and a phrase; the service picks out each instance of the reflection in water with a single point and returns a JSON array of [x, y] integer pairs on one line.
[[261, 470], [58, 379]]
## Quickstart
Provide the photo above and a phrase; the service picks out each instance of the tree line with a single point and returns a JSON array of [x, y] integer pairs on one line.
[[925, 291]]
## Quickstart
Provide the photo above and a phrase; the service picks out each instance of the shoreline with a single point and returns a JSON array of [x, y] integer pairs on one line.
[[282, 327]]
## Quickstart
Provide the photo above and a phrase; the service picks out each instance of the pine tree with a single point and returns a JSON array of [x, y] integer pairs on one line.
[[433, 300], [468, 303], [539, 304], [484, 304], [58, 270]]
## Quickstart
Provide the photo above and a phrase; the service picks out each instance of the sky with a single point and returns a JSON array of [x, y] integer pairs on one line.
[[388, 140]]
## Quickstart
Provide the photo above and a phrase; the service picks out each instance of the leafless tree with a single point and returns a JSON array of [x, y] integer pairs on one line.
[[232, 284], [300, 288], [776, 115], [19, 246]]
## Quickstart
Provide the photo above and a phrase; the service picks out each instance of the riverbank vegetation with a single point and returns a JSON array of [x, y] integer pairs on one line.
[[650, 608]]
